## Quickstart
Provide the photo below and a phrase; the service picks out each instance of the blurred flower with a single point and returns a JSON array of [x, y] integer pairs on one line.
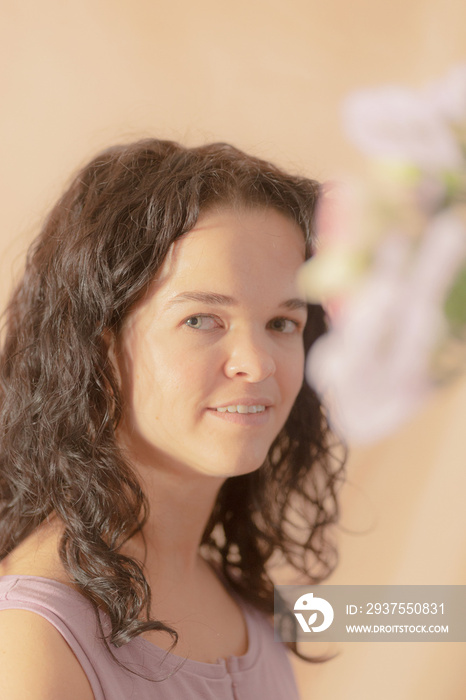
[[391, 260], [398, 124], [341, 251], [374, 367], [448, 96]]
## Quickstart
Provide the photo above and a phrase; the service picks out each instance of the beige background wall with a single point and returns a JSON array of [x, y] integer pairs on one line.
[[268, 76]]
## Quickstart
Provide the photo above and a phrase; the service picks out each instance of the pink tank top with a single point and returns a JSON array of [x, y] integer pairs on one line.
[[263, 672]]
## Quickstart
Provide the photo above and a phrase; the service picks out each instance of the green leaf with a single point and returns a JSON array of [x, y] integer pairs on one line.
[[455, 303]]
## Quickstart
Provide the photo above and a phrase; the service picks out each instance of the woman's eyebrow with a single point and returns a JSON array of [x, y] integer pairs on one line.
[[221, 299]]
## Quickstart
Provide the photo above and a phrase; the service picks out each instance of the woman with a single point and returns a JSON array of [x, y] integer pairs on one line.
[[160, 450]]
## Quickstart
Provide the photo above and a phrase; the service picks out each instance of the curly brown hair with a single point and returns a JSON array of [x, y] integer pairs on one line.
[[60, 404]]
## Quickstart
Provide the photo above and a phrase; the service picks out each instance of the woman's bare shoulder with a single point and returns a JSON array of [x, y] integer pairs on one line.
[[36, 661], [37, 555]]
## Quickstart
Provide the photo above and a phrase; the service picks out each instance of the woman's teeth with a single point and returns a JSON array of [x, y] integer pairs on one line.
[[241, 409]]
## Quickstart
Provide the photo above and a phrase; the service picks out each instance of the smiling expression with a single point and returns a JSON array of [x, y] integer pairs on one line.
[[212, 359]]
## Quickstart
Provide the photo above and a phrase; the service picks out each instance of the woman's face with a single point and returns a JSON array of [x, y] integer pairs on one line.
[[212, 359]]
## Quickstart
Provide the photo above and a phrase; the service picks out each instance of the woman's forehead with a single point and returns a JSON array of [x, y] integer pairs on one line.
[[231, 241], [245, 256]]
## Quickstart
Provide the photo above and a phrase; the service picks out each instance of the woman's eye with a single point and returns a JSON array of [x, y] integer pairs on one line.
[[284, 325], [201, 322]]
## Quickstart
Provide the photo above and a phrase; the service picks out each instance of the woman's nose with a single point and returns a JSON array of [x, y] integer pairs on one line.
[[250, 358]]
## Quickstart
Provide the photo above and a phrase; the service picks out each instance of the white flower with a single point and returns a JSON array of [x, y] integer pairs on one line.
[[448, 96], [399, 124]]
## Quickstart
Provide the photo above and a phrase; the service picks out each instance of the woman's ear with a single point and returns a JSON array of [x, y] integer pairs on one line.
[[111, 343]]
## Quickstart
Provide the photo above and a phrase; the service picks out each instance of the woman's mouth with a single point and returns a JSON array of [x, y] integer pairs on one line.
[[240, 414], [241, 409]]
